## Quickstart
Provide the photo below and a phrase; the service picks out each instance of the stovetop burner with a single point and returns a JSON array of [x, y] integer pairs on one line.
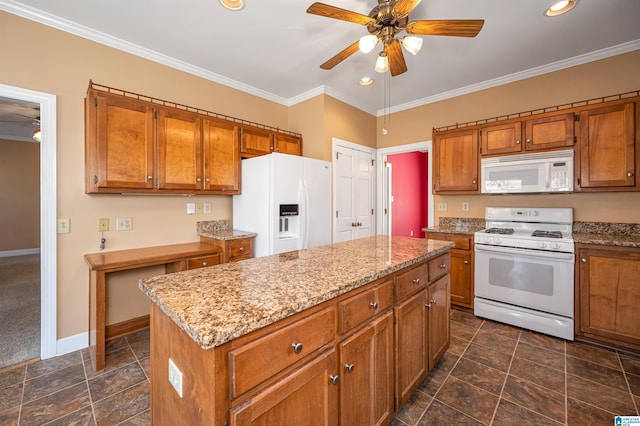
[[546, 234], [502, 231]]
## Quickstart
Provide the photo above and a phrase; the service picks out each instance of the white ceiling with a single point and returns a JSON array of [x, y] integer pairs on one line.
[[273, 48]]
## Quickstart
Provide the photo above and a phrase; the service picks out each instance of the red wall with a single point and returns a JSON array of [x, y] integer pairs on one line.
[[409, 186]]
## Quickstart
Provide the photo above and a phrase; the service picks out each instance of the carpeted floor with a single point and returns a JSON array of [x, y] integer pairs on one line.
[[19, 309]]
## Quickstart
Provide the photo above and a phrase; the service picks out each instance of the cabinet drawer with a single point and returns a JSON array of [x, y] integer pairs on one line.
[[203, 261], [461, 242], [240, 249], [253, 363], [357, 309], [439, 266], [411, 281]]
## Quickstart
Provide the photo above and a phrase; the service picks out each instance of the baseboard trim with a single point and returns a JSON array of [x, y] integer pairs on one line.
[[72, 343], [125, 327], [21, 252]]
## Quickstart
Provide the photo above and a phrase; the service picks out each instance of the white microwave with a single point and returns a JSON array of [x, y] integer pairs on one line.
[[550, 171]]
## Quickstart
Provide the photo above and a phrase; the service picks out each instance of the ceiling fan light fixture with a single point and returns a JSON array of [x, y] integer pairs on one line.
[[382, 63], [37, 135], [412, 44], [232, 4], [367, 43], [560, 7]]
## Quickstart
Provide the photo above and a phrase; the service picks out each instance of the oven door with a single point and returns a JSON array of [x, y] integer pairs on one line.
[[529, 278]]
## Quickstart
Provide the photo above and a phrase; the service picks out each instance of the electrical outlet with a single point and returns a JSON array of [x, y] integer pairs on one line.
[[206, 208], [198, 208], [465, 206], [64, 226], [442, 207], [103, 224], [191, 208], [124, 224], [175, 377]]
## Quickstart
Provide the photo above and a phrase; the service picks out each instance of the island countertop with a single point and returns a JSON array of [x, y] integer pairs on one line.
[[220, 303]]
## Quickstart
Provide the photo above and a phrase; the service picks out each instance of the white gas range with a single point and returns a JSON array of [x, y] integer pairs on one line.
[[524, 269]]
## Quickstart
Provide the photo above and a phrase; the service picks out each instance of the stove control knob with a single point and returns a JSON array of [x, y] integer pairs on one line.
[[556, 246], [498, 241], [542, 244]]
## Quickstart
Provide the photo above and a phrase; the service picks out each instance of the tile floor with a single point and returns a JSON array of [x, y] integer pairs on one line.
[[492, 374]]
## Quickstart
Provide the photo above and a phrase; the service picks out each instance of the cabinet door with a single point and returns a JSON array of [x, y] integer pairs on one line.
[[254, 142], [122, 155], [287, 144], [610, 293], [439, 308], [307, 396], [412, 363], [179, 150], [366, 386], [456, 161], [221, 156], [501, 138], [607, 148], [461, 278], [555, 131]]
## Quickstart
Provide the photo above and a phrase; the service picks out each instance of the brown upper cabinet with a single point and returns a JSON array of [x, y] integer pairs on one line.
[[255, 142], [456, 162], [609, 155], [287, 144], [501, 138]]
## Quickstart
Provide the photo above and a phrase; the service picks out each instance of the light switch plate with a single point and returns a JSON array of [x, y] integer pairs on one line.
[[175, 377], [442, 207], [191, 208], [64, 226], [206, 208]]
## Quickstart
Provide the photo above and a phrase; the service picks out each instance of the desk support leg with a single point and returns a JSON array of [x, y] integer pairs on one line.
[[97, 301]]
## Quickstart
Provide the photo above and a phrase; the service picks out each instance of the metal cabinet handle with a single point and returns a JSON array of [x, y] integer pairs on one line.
[[466, 262], [433, 302], [297, 347], [374, 305], [349, 368], [444, 265], [517, 142], [204, 263], [528, 140], [241, 249], [334, 379], [149, 177], [473, 181], [584, 260], [207, 180], [428, 306], [416, 280], [630, 174], [198, 180]]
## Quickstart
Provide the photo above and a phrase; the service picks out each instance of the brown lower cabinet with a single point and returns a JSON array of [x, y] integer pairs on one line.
[[354, 359], [609, 293], [461, 267]]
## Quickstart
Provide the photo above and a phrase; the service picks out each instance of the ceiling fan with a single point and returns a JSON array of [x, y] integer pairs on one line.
[[384, 22]]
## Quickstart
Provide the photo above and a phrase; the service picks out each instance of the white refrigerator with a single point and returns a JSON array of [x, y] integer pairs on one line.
[[286, 201]]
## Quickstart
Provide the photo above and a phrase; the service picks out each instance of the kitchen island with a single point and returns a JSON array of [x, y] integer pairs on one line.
[[326, 335]]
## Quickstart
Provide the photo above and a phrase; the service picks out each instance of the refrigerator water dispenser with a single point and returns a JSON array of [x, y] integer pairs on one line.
[[289, 214]]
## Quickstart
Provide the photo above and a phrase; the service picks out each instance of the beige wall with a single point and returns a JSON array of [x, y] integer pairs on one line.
[[19, 195], [605, 77]]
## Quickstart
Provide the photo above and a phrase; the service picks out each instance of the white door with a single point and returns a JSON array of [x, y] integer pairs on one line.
[[353, 191]]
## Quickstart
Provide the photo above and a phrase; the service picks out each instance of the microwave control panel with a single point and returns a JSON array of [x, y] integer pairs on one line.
[[560, 174]]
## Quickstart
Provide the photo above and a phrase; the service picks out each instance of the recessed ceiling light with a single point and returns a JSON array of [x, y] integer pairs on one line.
[[365, 81], [232, 4], [560, 7]]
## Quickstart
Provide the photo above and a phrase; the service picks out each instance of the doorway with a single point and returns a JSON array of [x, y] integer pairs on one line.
[[385, 180], [48, 268]]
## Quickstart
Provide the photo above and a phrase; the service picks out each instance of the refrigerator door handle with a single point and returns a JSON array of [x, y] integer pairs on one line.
[[304, 227]]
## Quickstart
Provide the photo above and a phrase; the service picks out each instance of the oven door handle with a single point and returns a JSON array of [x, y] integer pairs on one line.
[[516, 251]]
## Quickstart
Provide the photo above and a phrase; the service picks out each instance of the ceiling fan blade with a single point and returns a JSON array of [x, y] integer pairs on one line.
[[397, 65], [405, 7], [447, 27], [322, 9], [341, 56]]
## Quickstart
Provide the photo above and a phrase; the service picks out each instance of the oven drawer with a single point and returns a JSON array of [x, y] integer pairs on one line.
[[439, 266]]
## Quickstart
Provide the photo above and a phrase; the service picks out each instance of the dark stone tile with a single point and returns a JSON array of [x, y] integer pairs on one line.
[[538, 374], [509, 413], [543, 401], [55, 405], [630, 365], [144, 419], [634, 383], [468, 399], [580, 414], [457, 345], [50, 365], [462, 331], [598, 395], [501, 329], [113, 361], [115, 345], [597, 373], [495, 341], [414, 408], [486, 356], [466, 318], [115, 381], [52, 382], [551, 359], [479, 375], [141, 349], [543, 341], [11, 376], [440, 414], [446, 363], [146, 366], [397, 422], [138, 336], [10, 396], [123, 405], [431, 385], [82, 417], [10, 417], [594, 354]]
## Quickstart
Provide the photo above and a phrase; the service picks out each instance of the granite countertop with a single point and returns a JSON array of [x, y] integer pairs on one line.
[[227, 234], [607, 234], [220, 303], [458, 225]]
